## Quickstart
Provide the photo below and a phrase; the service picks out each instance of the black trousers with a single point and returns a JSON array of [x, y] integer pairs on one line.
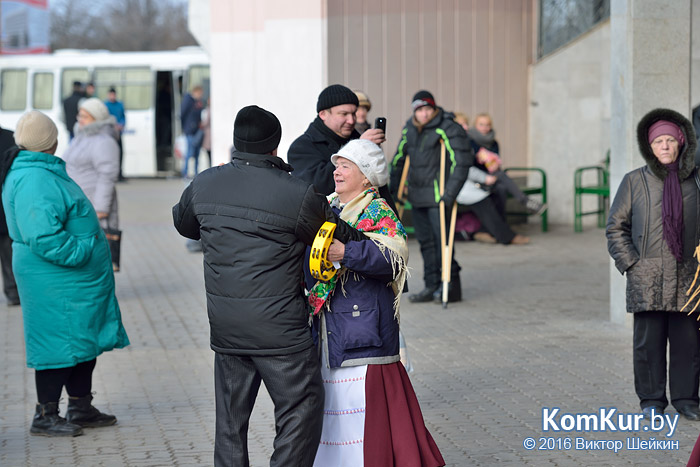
[[651, 331], [9, 286], [77, 380], [426, 222], [295, 386], [492, 219]]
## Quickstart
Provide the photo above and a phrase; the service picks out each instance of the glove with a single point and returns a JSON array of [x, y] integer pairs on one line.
[[449, 201]]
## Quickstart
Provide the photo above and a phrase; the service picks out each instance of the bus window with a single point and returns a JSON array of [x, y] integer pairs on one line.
[[138, 89], [42, 92], [13, 90], [69, 75], [105, 78], [134, 86], [198, 75]]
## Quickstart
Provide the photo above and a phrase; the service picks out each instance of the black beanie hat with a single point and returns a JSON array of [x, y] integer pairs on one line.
[[421, 99], [335, 94], [256, 130]]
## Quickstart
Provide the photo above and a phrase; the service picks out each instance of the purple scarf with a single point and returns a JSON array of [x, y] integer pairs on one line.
[[672, 211]]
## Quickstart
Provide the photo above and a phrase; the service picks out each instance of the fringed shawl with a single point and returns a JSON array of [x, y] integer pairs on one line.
[[370, 214]]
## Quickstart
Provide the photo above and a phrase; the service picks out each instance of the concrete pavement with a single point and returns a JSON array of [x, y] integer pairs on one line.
[[532, 332]]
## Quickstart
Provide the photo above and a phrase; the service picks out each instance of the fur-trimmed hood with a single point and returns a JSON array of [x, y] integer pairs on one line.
[[106, 126], [687, 155]]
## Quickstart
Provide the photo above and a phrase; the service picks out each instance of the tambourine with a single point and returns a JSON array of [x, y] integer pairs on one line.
[[320, 267]]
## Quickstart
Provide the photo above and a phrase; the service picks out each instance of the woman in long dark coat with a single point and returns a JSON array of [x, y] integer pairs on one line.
[[652, 233]]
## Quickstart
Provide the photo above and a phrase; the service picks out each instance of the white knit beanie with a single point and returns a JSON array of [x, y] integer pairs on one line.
[[96, 108], [36, 132], [368, 157]]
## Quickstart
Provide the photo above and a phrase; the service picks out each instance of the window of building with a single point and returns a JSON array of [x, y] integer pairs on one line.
[[562, 21], [42, 91], [13, 90]]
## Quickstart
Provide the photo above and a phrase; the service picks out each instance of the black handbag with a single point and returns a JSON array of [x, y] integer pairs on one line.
[[114, 238]]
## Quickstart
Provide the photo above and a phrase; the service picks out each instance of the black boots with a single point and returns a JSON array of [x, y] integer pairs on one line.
[[81, 412], [47, 422], [454, 291], [425, 295]]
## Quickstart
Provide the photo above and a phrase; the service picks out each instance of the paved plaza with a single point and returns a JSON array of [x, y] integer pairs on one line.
[[532, 332]]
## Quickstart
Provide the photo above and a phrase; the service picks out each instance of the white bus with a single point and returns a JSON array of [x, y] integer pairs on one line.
[[150, 84]]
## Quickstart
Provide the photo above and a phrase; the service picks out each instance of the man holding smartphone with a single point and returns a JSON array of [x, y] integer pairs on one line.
[[310, 154]]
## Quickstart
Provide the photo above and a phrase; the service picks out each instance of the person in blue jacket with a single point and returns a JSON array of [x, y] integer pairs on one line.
[[116, 109], [63, 270]]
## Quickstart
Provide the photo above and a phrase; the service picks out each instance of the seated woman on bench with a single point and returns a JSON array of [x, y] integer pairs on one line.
[[485, 146]]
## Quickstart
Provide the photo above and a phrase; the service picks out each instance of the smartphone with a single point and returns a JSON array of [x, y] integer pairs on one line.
[[380, 123]]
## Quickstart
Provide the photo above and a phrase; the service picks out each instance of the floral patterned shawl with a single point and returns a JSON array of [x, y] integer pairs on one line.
[[368, 213]]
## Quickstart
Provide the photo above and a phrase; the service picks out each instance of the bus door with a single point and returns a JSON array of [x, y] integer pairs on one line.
[[165, 122]]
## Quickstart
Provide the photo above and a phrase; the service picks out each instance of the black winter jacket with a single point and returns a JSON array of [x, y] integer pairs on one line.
[[255, 220], [310, 155], [422, 145], [70, 109], [7, 140], [655, 280]]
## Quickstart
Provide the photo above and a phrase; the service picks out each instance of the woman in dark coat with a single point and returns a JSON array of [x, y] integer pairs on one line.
[[652, 232]]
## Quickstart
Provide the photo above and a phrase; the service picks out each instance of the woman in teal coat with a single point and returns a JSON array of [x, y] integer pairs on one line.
[[63, 269]]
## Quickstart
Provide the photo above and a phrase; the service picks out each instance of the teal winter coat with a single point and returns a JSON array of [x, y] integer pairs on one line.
[[62, 265]]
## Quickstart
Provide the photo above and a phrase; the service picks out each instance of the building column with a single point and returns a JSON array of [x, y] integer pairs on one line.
[[271, 54], [650, 61]]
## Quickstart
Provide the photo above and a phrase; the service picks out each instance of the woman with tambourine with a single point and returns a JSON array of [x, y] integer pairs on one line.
[[356, 317]]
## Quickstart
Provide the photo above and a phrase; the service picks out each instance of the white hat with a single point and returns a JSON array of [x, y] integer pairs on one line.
[[368, 157], [36, 132], [96, 108]]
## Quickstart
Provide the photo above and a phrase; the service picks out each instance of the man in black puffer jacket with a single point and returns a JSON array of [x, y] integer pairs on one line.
[[420, 140], [255, 221]]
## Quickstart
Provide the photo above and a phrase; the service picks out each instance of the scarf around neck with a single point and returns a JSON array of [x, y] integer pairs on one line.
[[485, 140], [672, 211], [331, 135], [368, 213]]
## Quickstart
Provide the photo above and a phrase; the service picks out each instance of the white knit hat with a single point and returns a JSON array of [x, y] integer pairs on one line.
[[96, 108], [368, 157], [36, 132]]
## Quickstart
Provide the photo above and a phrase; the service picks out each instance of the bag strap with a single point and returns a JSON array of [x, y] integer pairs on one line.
[[697, 178]]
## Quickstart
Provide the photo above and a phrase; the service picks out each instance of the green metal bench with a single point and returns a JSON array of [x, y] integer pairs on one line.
[[601, 189]]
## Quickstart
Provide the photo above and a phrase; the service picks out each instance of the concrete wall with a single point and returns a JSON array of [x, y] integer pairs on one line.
[[650, 68], [569, 116]]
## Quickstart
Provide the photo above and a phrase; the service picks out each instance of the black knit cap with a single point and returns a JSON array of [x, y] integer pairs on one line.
[[421, 99], [256, 130], [336, 94]]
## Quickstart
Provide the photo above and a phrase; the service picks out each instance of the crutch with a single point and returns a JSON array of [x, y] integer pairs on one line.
[[448, 245], [402, 185]]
